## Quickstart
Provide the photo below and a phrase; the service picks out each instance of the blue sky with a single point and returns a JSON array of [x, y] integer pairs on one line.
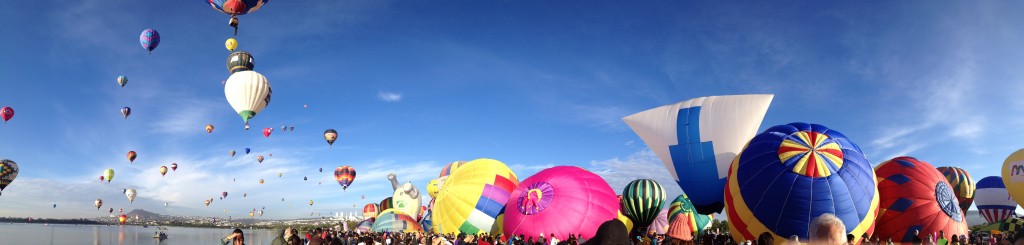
[[411, 86]]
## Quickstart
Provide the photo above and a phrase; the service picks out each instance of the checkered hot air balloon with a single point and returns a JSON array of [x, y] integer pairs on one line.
[[915, 197], [790, 174], [345, 175]]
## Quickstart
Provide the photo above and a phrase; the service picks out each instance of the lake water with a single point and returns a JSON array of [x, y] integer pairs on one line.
[[120, 235]]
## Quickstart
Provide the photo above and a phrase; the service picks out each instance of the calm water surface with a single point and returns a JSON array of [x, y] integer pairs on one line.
[[120, 235]]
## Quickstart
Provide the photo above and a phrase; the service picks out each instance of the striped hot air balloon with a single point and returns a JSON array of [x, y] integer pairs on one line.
[[385, 204], [345, 175], [392, 221], [915, 197], [681, 214], [642, 200], [473, 198], [962, 183], [790, 174], [371, 210], [993, 201], [448, 170]]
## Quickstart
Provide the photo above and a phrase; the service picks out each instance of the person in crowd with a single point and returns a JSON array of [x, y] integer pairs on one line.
[[235, 238], [291, 235], [917, 238], [279, 237], [316, 238], [765, 238], [941, 239], [826, 229]]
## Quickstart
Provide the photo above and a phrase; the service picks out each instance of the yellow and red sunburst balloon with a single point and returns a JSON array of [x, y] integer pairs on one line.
[[791, 174]]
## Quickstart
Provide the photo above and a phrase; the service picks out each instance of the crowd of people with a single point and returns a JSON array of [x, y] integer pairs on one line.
[[826, 230]]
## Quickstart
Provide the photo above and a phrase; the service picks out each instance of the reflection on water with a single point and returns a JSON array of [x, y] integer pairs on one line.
[[120, 235]]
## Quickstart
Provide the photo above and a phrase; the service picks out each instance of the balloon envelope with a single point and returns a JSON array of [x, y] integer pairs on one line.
[[236, 7], [330, 135], [1013, 175], [915, 197], [561, 200], [365, 225], [993, 200], [371, 210], [790, 174], [248, 92], [130, 193], [109, 174], [474, 197], [8, 172], [231, 44], [149, 39], [682, 208], [345, 175], [432, 188], [698, 139], [642, 200], [962, 183], [391, 221]]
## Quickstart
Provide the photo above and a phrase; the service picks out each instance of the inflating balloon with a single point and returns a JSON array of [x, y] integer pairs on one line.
[[8, 172], [697, 140], [126, 111], [660, 224], [163, 171], [122, 80], [1013, 175], [248, 92], [560, 201], [642, 200], [790, 174], [240, 61], [684, 220], [391, 221], [370, 211], [993, 199], [385, 204], [962, 183], [231, 44], [345, 175], [473, 198], [448, 170], [365, 225], [404, 201], [109, 173], [6, 113], [915, 197], [149, 39]]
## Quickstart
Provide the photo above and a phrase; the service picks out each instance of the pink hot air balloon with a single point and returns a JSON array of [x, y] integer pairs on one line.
[[7, 113], [267, 131], [660, 224], [561, 200]]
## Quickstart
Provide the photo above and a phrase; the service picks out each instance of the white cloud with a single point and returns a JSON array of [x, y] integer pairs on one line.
[[389, 96], [643, 164]]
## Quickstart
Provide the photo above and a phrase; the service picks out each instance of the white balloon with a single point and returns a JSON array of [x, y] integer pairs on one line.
[[131, 195], [248, 92]]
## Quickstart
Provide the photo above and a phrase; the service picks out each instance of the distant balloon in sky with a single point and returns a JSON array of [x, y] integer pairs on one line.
[[8, 171], [284, 128], [131, 156], [224, 194], [109, 174], [304, 178], [149, 39], [165, 204], [698, 139], [174, 167], [261, 181], [345, 175], [122, 80], [267, 131], [126, 111], [240, 61], [279, 175], [130, 193], [99, 203], [321, 170], [236, 8], [248, 92], [101, 178], [231, 44], [209, 128], [330, 135], [232, 153], [163, 170], [7, 113], [108, 211], [259, 159], [123, 218], [247, 151]]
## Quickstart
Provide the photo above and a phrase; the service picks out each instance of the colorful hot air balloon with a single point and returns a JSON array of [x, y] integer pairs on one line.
[[209, 128], [99, 203], [310, 202], [109, 173], [6, 113], [915, 197], [660, 224], [365, 225], [642, 200], [131, 156], [330, 135], [261, 181], [371, 210], [1013, 174], [130, 193], [259, 158], [385, 204], [149, 39], [432, 188], [174, 167], [126, 111], [684, 220], [284, 128], [8, 171], [224, 194], [560, 201], [267, 131], [236, 8], [448, 170], [232, 153], [472, 198], [697, 139], [427, 219], [790, 174], [404, 201], [240, 61], [993, 199], [247, 151], [392, 221], [207, 202], [122, 219], [962, 183], [345, 175], [248, 92], [163, 170], [231, 44], [122, 80]]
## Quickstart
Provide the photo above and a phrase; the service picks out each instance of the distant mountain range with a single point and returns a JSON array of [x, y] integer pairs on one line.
[[146, 215]]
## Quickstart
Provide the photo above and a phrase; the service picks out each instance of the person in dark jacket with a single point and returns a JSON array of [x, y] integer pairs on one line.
[[292, 237], [316, 237]]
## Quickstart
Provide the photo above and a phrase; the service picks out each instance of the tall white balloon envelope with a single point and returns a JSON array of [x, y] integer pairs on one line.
[[130, 193], [248, 92], [697, 140]]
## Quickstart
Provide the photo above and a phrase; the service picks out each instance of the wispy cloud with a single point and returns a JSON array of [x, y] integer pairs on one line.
[[643, 164], [389, 96]]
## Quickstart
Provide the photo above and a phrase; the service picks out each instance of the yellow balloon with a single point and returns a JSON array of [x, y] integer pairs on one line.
[[1013, 175], [472, 198], [432, 188], [231, 44], [626, 221]]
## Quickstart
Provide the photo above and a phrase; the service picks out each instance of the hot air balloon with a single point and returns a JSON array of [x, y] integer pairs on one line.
[[261, 181], [330, 135], [267, 131], [472, 198], [122, 219], [304, 178], [99, 203], [163, 171], [120, 210], [1013, 174], [245, 194], [131, 156], [108, 211], [310, 202], [252, 213], [126, 111], [448, 170], [259, 158], [247, 151], [207, 202], [101, 178], [130, 193], [122, 80], [362, 196], [385, 204], [224, 194], [165, 204], [149, 39], [174, 167], [915, 197], [7, 113], [279, 175], [370, 211], [231, 44], [560, 201], [642, 200], [406, 200], [321, 170], [232, 153], [291, 128], [432, 188], [697, 139], [684, 220], [365, 225], [790, 174], [660, 224], [124, 191], [993, 199], [109, 173], [284, 128], [8, 171], [260, 213], [240, 61], [392, 221], [962, 183], [248, 92], [209, 128], [345, 175], [236, 8]]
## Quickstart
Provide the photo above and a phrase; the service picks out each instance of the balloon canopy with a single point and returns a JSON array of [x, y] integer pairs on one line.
[[240, 61], [371, 210], [473, 198], [962, 183], [642, 199], [993, 200], [391, 221], [8, 172], [660, 224], [790, 174], [149, 39], [248, 92], [432, 188], [682, 208], [560, 201], [1013, 175], [915, 197], [365, 225], [345, 175]]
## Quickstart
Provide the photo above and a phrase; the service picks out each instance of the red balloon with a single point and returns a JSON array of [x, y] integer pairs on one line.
[[174, 167], [266, 132], [915, 197], [7, 113]]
